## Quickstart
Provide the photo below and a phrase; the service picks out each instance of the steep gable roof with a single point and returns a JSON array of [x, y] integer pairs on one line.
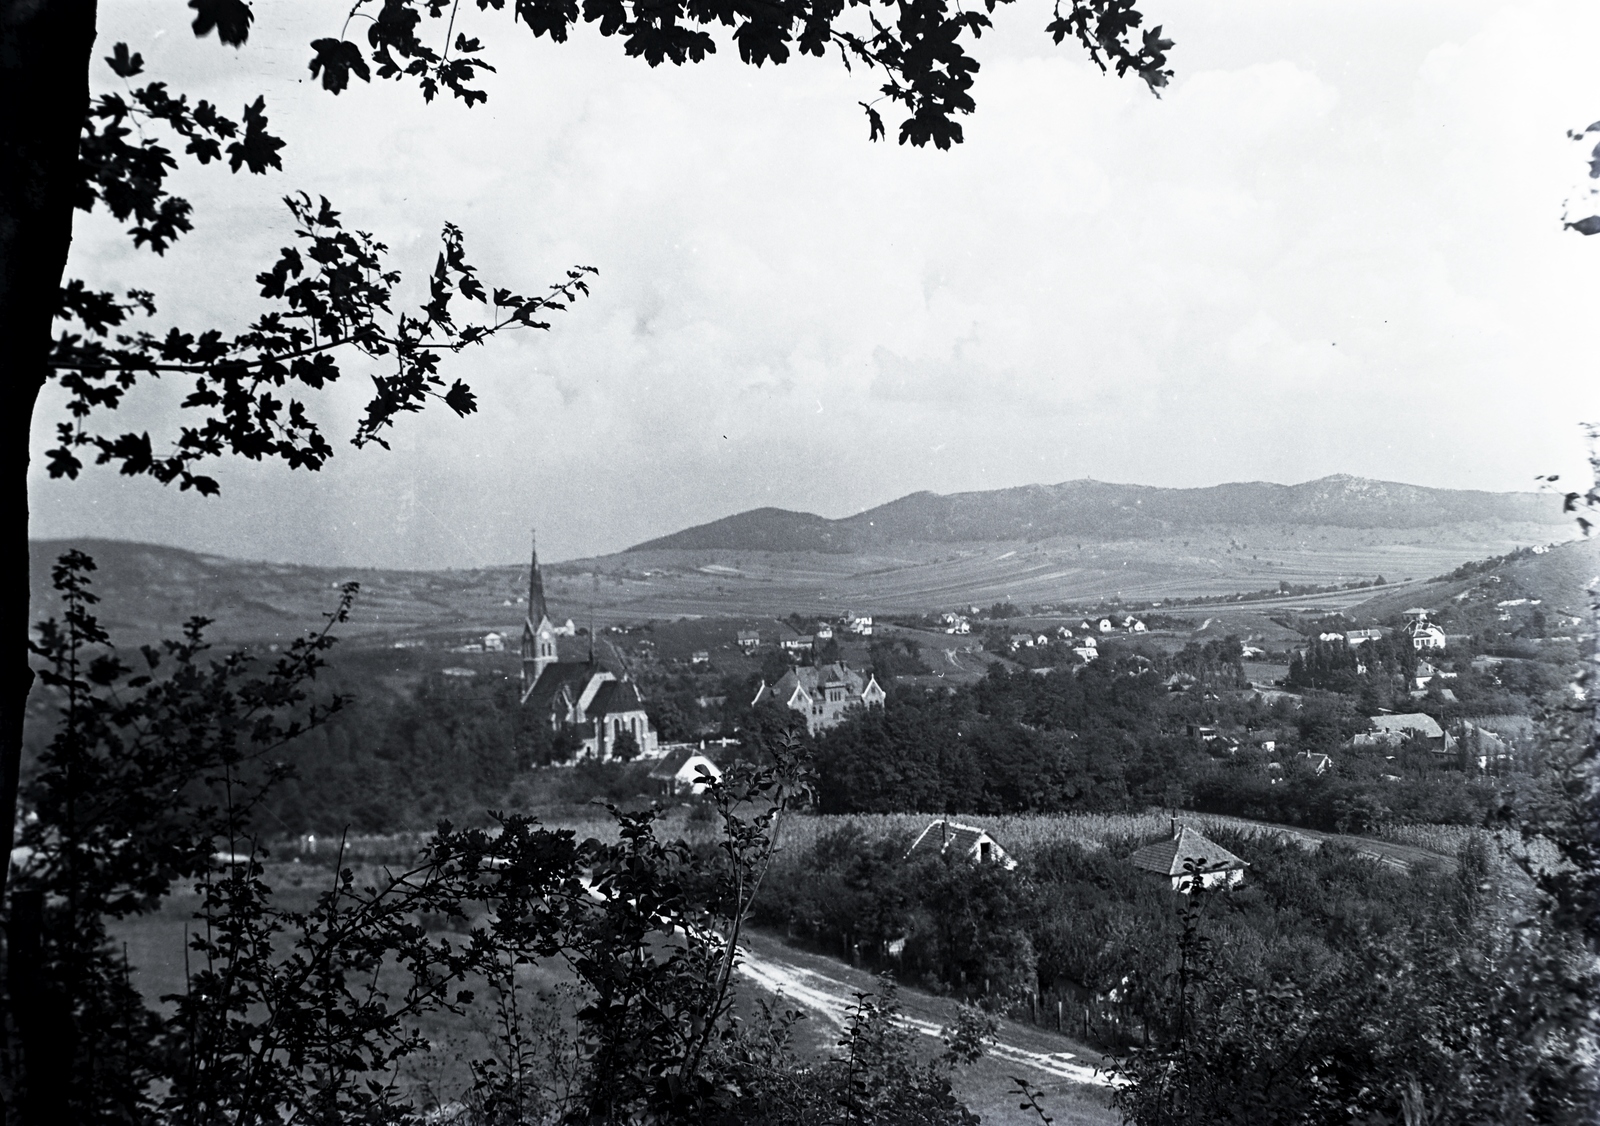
[[1168, 857], [554, 678], [669, 764], [945, 837], [615, 696]]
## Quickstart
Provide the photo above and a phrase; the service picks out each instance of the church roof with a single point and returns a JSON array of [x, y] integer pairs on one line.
[[556, 676], [615, 696], [1168, 857]]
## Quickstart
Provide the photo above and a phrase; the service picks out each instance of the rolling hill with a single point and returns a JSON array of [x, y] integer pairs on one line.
[[1076, 543], [1100, 511]]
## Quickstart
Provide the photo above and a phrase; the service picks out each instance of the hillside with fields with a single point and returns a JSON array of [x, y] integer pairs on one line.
[[1100, 511], [1080, 542]]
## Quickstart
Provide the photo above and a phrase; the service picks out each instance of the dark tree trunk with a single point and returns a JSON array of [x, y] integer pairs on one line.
[[45, 46], [44, 86]]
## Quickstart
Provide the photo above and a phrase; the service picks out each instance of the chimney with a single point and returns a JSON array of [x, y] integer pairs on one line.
[[1174, 828]]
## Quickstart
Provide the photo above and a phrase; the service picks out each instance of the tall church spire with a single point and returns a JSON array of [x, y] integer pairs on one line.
[[536, 605], [538, 635]]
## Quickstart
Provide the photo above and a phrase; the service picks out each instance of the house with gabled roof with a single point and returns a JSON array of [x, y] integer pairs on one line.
[[680, 772], [1213, 865], [946, 838], [824, 694], [1392, 730]]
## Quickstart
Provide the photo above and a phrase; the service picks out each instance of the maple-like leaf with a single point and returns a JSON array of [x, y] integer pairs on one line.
[[229, 18]]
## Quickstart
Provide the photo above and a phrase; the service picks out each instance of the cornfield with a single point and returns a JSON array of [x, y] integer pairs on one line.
[[1019, 834]]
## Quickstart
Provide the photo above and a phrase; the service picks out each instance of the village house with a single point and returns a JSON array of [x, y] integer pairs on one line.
[[494, 643], [861, 626], [1213, 865], [1362, 636], [1133, 625], [1317, 763], [800, 645], [1392, 730], [1428, 636], [748, 640], [1105, 625], [823, 632], [1020, 641], [580, 698], [959, 842], [1423, 633], [700, 657], [824, 694], [679, 772]]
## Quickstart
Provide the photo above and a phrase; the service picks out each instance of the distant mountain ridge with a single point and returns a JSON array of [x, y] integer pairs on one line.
[[1099, 510]]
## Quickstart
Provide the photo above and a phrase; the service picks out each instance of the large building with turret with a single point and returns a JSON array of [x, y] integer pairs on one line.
[[582, 698]]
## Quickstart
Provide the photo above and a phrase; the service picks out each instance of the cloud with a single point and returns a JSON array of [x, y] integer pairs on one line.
[[1338, 222]]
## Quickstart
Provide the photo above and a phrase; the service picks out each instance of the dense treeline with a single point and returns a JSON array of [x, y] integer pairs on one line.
[[1083, 925], [1340, 667], [1113, 737]]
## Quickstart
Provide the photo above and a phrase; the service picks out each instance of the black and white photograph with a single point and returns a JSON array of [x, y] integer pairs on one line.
[[801, 562]]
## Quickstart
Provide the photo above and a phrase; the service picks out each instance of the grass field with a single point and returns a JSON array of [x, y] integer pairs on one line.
[[149, 591]]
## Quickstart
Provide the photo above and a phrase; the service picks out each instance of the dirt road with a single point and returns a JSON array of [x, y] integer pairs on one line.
[[1076, 1090]]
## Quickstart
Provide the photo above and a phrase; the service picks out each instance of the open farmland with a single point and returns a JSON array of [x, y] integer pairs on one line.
[[149, 591]]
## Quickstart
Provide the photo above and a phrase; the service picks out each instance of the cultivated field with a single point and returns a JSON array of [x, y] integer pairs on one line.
[[149, 591]]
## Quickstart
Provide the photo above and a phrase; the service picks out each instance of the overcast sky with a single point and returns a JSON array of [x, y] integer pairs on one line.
[[1334, 246]]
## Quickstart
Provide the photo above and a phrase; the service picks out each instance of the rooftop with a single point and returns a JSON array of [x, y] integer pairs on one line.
[[1168, 857]]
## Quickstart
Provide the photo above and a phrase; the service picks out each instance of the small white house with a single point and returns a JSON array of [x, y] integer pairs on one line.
[[1105, 625], [1427, 636], [494, 643], [679, 772], [1214, 866], [963, 842]]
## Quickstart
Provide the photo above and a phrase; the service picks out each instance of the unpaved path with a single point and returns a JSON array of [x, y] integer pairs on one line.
[[826, 990]]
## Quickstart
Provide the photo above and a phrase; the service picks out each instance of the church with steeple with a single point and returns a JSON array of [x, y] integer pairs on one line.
[[581, 698]]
